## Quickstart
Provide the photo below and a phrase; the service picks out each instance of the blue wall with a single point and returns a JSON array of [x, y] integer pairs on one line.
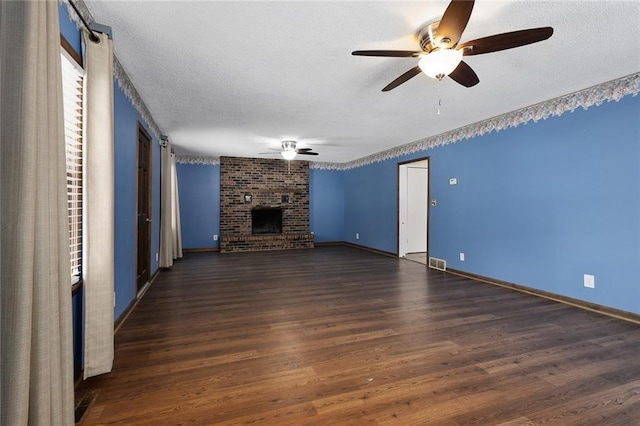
[[126, 119], [326, 205], [199, 191], [543, 204], [371, 206], [538, 205]]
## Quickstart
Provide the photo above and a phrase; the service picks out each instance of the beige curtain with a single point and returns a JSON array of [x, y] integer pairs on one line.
[[170, 231], [99, 199], [175, 205], [36, 346]]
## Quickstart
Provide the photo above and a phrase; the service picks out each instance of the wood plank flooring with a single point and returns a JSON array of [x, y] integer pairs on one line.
[[418, 257], [341, 336]]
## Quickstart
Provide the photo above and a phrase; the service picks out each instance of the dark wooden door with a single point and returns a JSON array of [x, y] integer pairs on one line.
[[144, 208]]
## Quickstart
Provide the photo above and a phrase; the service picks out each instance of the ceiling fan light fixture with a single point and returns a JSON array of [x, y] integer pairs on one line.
[[289, 154], [440, 62]]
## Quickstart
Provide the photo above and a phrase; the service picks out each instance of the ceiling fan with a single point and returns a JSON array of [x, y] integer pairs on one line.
[[289, 150], [441, 55]]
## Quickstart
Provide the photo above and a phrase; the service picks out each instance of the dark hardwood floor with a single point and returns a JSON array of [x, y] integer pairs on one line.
[[341, 336]]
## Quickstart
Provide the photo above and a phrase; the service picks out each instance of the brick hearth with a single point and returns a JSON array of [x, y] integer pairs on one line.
[[269, 183]]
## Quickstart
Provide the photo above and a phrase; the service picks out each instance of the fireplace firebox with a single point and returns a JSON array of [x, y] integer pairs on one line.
[[266, 220]]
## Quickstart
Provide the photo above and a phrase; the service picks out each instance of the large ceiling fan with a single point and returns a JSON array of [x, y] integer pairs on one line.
[[441, 55], [289, 150]]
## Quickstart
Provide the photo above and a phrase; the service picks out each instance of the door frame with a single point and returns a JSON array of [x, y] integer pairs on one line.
[[147, 257], [403, 189]]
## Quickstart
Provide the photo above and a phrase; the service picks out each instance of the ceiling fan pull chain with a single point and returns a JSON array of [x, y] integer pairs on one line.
[[438, 97]]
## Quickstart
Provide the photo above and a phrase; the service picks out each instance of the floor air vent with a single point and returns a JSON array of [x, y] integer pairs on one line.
[[439, 264]]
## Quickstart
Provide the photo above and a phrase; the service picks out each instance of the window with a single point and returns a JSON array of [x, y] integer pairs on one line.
[[72, 76]]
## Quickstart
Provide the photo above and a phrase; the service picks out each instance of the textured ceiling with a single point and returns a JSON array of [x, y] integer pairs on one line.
[[235, 78]]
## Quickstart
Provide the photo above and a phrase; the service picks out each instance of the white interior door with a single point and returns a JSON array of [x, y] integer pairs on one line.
[[413, 207], [417, 209]]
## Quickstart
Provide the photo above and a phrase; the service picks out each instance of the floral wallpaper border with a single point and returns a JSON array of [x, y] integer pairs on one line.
[[197, 159], [596, 95], [118, 70]]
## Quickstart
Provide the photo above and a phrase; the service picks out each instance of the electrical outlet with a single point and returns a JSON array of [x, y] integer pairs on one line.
[[462, 256], [215, 238], [157, 257], [589, 281], [357, 236]]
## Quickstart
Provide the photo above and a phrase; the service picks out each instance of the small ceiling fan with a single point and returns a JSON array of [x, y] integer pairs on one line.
[[289, 150], [441, 55]]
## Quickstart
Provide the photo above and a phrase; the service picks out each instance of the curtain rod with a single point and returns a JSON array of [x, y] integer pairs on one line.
[[92, 36]]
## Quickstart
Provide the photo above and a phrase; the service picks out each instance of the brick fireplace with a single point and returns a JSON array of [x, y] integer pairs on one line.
[[248, 184]]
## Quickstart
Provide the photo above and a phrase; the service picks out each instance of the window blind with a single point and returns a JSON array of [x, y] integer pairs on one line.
[[72, 76]]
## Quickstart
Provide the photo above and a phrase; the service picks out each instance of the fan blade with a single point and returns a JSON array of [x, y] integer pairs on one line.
[[464, 75], [504, 41], [387, 53], [307, 153], [454, 21], [404, 77], [299, 150]]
